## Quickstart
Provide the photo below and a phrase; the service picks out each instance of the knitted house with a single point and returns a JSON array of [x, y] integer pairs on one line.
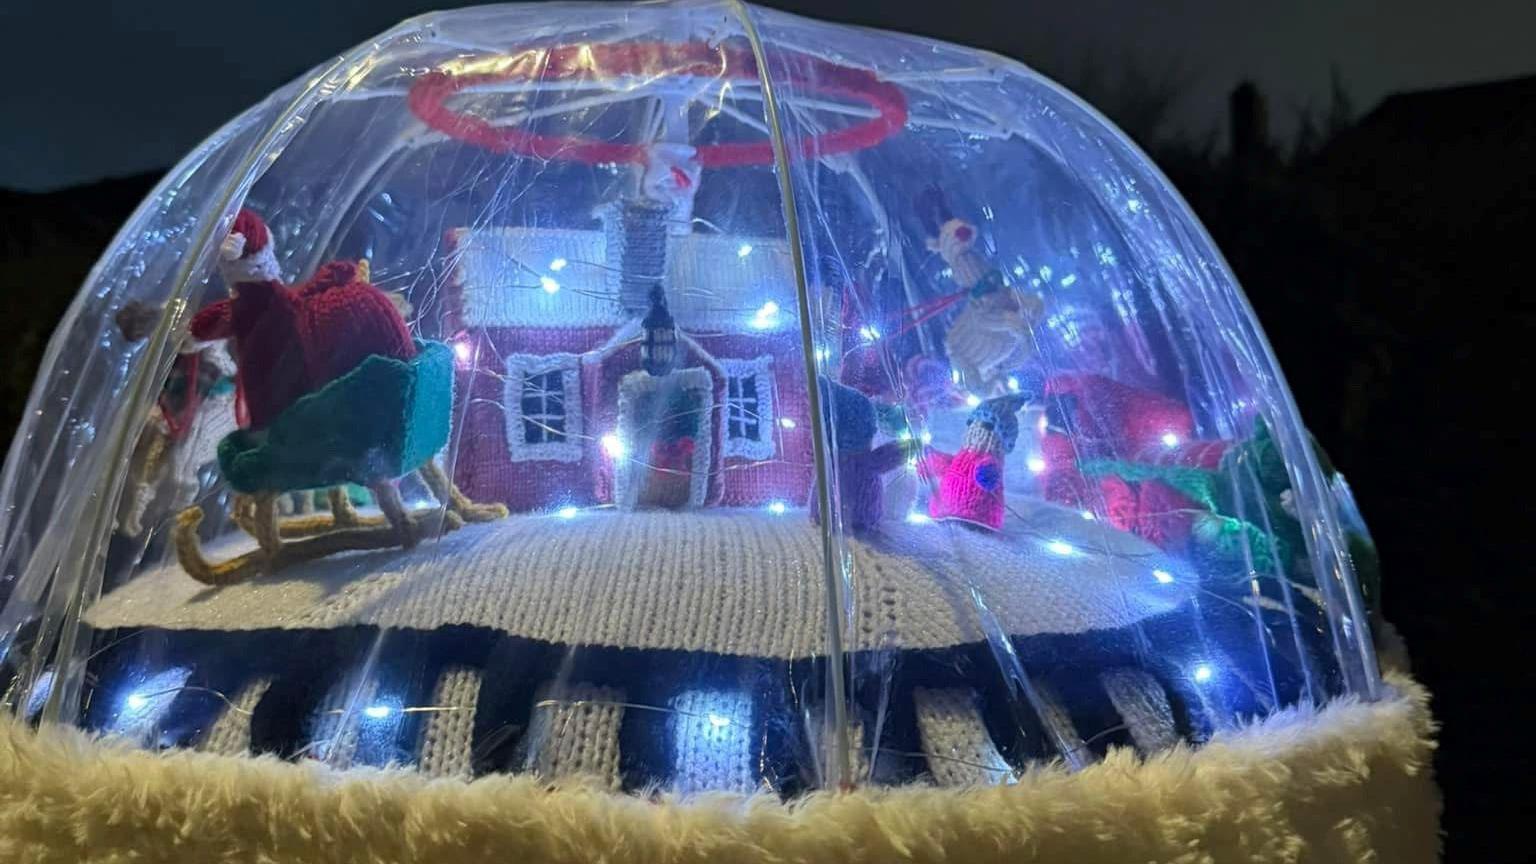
[[810, 444], [733, 299]]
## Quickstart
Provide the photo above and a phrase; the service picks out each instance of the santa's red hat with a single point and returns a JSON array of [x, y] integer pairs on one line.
[[246, 255]]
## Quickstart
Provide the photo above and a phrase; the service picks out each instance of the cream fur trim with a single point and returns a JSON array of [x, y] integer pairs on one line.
[[259, 266], [1350, 783]]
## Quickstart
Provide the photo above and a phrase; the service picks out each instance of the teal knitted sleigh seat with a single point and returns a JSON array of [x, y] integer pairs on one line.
[[383, 419]]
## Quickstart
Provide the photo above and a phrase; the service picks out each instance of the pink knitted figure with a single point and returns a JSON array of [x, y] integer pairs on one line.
[[970, 487]]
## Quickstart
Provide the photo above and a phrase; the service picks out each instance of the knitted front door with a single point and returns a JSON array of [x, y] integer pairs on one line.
[[664, 421]]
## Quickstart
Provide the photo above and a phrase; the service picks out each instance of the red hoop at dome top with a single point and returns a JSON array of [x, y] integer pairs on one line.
[[429, 95]]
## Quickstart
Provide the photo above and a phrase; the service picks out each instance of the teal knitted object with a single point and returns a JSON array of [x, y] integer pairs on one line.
[[382, 420]]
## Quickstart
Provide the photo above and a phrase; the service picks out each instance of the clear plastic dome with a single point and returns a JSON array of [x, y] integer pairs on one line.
[[684, 395]]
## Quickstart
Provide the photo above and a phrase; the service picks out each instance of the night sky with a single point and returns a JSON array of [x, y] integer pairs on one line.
[[132, 88]]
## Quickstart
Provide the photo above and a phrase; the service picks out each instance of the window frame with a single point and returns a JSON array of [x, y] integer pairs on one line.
[[521, 367], [764, 445]]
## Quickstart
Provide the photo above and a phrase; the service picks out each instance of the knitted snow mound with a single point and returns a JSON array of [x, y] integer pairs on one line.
[[737, 582]]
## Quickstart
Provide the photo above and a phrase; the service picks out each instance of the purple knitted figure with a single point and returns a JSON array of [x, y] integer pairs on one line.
[[860, 489]]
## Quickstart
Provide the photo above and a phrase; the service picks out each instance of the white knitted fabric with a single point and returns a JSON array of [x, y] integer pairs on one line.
[[714, 283], [230, 734], [711, 731], [340, 722], [955, 740], [632, 389], [447, 733], [574, 732], [733, 582], [1143, 705]]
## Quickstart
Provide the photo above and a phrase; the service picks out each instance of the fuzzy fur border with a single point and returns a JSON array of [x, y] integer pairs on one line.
[[1348, 783]]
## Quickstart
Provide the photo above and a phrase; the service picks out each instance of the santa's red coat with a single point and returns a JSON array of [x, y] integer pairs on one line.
[[288, 342]]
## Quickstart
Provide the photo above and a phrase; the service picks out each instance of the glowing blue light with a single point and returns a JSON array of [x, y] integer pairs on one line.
[[39, 693], [972, 400], [823, 354], [1018, 270], [1088, 514], [787, 422], [1203, 673], [1163, 577], [718, 721], [1133, 205], [954, 375], [549, 285], [744, 250], [766, 316], [1013, 384], [869, 333], [917, 518], [1170, 439], [567, 512], [558, 264], [777, 508], [1069, 280], [1061, 547], [142, 706], [1035, 464], [1045, 273], [377, 712], [925, 437], [613, 445]]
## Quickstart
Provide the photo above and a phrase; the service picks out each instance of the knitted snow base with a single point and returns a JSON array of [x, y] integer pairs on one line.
[[1348, 783], [659, 579]]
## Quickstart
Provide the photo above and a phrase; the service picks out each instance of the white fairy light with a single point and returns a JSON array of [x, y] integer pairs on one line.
[[777, 508], [744, 250], [558, 264], [1163, 577], [613, 445], [1035, 464], [567, 512], [787, 422], [549, 285]]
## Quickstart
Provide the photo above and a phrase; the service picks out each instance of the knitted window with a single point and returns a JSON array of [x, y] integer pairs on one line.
[[543, 408], [749, 417]]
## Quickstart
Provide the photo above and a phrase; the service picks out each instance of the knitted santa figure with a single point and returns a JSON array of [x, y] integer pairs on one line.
[[970, 483], [287, 341]]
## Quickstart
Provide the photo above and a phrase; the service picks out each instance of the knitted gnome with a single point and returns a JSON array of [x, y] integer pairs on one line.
[[970, 483], [851, 418]]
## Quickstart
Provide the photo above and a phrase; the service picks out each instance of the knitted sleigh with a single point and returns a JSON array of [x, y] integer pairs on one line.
[[384, 419]]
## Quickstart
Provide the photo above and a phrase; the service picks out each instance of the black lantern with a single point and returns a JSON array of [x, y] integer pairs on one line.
[[658, 349]]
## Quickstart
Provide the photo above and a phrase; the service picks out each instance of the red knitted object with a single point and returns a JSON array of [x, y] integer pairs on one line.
[[263, 320], [970, 488], [1110, 420], [345, 322], [249, 225], [289, 342]]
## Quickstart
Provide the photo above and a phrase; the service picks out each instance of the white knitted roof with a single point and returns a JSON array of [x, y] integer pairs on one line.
[[714, 282], [735, 582]]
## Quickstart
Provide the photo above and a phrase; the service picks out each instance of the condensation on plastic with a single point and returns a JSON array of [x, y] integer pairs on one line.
[[734, 642]]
